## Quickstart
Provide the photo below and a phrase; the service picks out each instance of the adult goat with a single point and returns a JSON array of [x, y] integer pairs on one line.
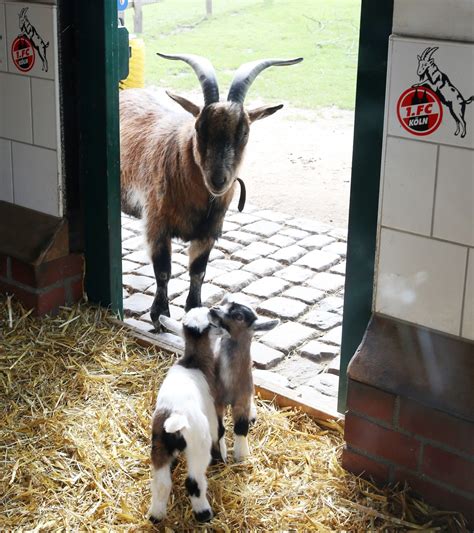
[[178, 172]]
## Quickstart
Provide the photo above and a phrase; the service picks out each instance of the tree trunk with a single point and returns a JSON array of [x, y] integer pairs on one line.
[[208, 8]]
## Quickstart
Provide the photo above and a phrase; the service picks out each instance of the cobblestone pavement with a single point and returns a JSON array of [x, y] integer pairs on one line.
[[285, 267]]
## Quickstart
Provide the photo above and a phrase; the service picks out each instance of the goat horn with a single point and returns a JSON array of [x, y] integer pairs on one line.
[[205, 73], [425, 52], [431, 52], [247, 73]]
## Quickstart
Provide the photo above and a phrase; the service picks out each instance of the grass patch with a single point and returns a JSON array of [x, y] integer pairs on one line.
[[325, 33]]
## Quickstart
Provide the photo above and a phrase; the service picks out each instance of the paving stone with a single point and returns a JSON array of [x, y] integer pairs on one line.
[[294, 233], [333, 304], [128, 266], [270, 377], [274, 216], [298, 370], [137, 303], [229, 226], [314, 242], [216, 254], [264, 356], [124, 293], [261, 248], [226, 264], [133, 224], [181, 258], [266, 287], [227, 246], [246, 299], [309, 395], [210, 294], [288, 254], [321, 319], [176, 287], [309, 225], [326, 282], [212, 272], [318, 260], [134, 243], [235, 280], [339, 233], [177, 245], [127, 234], [265, 228], [242, 236], [318, 351], [339, 268], [306, 294], [141, 257], [139, 324], [177, 313], [146, 270], [280, 240], [262, 267], [333, 336], [287, 336], [294, 273], [137, 283], [326, 384], [283, 307], [169, 338], [334, 366], [339, 248], [241, 218]]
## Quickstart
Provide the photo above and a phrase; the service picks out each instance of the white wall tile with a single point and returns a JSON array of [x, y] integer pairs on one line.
[[3, 39], [454, 205], [43, 19], [15, 108], [6, 180], [408, 185], [468, 320], [44, 112], [35, 173], [421, 280]]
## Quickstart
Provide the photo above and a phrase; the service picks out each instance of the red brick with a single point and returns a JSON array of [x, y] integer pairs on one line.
[[3, 265], [27, 298], [449, 468], [49, 302], [381, 442], [76, 290], [23, 273], [370, 401], [363, 466], [436, 495], [436, 425], [47, 273]]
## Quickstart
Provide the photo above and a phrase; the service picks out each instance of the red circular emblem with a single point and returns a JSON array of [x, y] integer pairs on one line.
[[23, 53], [419, 111]]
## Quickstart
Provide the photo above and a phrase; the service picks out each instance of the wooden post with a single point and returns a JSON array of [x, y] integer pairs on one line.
[[137, 16], [208, 8]]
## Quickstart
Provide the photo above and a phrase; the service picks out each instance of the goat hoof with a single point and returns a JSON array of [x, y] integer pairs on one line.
[[155, 520], [204, 516]]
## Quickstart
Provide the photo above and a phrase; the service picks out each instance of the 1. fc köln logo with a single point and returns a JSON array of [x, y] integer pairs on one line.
[[419, 111]]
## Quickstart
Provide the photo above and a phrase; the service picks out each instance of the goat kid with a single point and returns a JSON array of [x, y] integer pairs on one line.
[[185, 418], [178, 170], [234, 381]]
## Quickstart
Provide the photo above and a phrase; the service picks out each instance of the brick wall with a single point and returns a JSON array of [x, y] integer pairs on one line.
[[392, 438], [43, 287]]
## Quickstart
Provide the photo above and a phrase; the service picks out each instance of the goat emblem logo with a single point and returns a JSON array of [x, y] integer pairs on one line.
[[434, 83], [26, 44]]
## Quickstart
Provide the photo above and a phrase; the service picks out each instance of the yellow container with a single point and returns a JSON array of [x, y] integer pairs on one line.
[[136, 75]]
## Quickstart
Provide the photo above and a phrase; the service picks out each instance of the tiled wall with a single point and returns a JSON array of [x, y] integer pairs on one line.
[[425, 270], [30, 148]]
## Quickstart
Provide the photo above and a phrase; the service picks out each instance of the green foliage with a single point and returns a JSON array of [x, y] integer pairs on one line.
[[324, 32]]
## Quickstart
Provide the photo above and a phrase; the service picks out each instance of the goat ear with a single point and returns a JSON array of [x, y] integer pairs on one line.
[[171, 325], [185, 104], [265, 325], [262, 112]]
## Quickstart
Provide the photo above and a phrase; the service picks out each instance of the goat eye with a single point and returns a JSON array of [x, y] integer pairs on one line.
[[239, 317]]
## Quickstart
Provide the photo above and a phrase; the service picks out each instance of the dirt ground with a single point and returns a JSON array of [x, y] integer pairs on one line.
[[299, 162]]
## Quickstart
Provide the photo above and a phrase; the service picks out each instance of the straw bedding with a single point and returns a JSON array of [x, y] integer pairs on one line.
[[77, 395]]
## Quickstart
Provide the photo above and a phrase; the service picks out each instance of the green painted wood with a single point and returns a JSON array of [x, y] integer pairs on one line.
[[375, 29], [99, 162]]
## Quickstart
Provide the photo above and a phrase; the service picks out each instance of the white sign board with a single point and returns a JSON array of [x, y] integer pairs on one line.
[[431, 91]]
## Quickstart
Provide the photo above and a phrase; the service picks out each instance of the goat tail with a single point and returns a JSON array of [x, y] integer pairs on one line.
[[469, 100], [176, 422]]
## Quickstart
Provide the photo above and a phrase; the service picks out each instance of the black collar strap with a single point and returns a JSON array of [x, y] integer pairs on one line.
[[243, 195]]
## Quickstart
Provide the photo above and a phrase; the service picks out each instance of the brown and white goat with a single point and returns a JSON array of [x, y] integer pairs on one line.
[[178, 170], [234, 381]]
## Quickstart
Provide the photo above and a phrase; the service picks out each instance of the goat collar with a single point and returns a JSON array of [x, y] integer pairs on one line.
[[243, 194]]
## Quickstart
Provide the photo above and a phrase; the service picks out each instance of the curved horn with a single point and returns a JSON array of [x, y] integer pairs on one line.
[[431, 52], [205, 73], [247, 73], [425, 52]]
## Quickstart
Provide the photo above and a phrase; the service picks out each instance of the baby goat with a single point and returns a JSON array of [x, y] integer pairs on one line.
[[234, 382], [185, 418], [178, 171]]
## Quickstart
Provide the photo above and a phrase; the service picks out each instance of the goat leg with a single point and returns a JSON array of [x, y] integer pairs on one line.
[[161, 259], [199, 251]]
